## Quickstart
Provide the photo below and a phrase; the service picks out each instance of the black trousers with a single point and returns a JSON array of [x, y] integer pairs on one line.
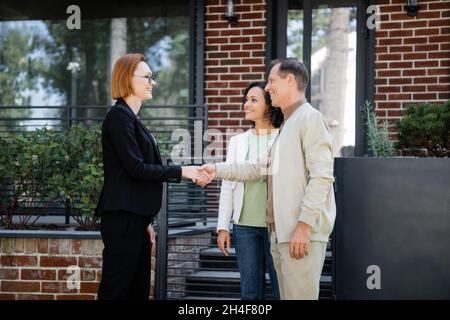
[[126, 256]]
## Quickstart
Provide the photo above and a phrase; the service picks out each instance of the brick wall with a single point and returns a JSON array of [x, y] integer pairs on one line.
[[412, 57], [37, 269], [234, 56]]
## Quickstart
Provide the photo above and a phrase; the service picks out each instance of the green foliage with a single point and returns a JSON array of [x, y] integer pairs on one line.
[[425, 130], [377, 134], [26, 164], [78, 172], [42, 168]]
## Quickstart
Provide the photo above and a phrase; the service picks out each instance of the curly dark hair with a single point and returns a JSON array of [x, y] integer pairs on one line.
[[274, 115]]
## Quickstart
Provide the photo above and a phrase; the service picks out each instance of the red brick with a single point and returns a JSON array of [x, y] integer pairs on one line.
[[76, 246], [57, 261], [388, 105], [6, 296], [19, 261], [43, 245], [401, 65], [388, 73], [444, 38], [229, 122], [258, 38], [438, 55], [400, 33], [258, 23], [439, 23], [211, 62], [415, 40], [217, 70], [90, 262], [426, 64], [56, 287], [388, 41], [444, 79], [424, 96], [76, 297], [400, 96], [230, 62], [216, 85], [380, 97], [426, 47], [240, 40], [242, 8], [89, 287], [38, 274], [239, 54], [211, 48], [391, 25], [229, 77], [439, 5], [426, 32], [252, 16], [230, 47], [425, 80], [53, 246], [414, 24], [20, 286], [393, 56], [414, 56], [414, 72], [414, 88], [400, 81], [445, 96], [443, 87], [434, 72], [258, 31], [9, 274], [430, 14], [230, 32], [390, 8], [35, 297], [388, 89], [239, 69], [253, 46], [253, 76]]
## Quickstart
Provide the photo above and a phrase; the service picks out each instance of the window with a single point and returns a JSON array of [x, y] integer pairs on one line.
[[45, 64]]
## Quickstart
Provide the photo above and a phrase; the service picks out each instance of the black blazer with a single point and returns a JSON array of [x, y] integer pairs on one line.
[[133, 170]]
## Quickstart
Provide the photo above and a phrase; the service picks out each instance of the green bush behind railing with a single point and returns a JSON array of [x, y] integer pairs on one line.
[[46, 168]]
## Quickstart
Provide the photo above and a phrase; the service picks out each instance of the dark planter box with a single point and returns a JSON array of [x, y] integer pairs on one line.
[[392, 214]]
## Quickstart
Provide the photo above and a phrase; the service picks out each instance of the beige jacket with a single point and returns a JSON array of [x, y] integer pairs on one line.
[[302, 175]]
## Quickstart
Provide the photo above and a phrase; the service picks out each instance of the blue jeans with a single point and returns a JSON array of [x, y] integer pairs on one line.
[[254, 259]]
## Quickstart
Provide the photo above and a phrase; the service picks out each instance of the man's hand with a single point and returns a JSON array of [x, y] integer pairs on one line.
[[300, 240], [152, 235], [200, 177], [224, 242], [209, 169]]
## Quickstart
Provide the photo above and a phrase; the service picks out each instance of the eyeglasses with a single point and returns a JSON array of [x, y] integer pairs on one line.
[[149, 78]]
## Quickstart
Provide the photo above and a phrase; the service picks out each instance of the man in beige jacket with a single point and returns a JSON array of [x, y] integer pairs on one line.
[[299, 170]]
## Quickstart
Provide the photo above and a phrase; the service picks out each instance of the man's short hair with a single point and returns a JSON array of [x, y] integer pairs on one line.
[[294, 67]]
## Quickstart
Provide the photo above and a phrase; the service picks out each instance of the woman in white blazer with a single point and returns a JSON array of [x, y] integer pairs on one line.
[[244, 204]]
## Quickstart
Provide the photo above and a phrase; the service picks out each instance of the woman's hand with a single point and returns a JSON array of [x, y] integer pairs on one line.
[[224, 242], [197, 176], [152, 235]]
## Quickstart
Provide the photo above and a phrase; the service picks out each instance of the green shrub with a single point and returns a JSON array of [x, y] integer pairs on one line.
[[425, 130], [78, 172], [26, 165], [378, 140]]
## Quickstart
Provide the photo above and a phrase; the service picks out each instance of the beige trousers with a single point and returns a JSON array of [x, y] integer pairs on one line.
[[298, 279]]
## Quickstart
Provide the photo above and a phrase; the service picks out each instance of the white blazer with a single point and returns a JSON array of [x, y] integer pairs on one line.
[[231, 192]]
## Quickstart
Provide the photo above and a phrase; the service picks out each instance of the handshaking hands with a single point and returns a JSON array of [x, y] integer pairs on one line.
[[202, 175]]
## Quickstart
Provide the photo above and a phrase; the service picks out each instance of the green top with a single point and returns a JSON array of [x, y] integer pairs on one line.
[[253, 211]]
